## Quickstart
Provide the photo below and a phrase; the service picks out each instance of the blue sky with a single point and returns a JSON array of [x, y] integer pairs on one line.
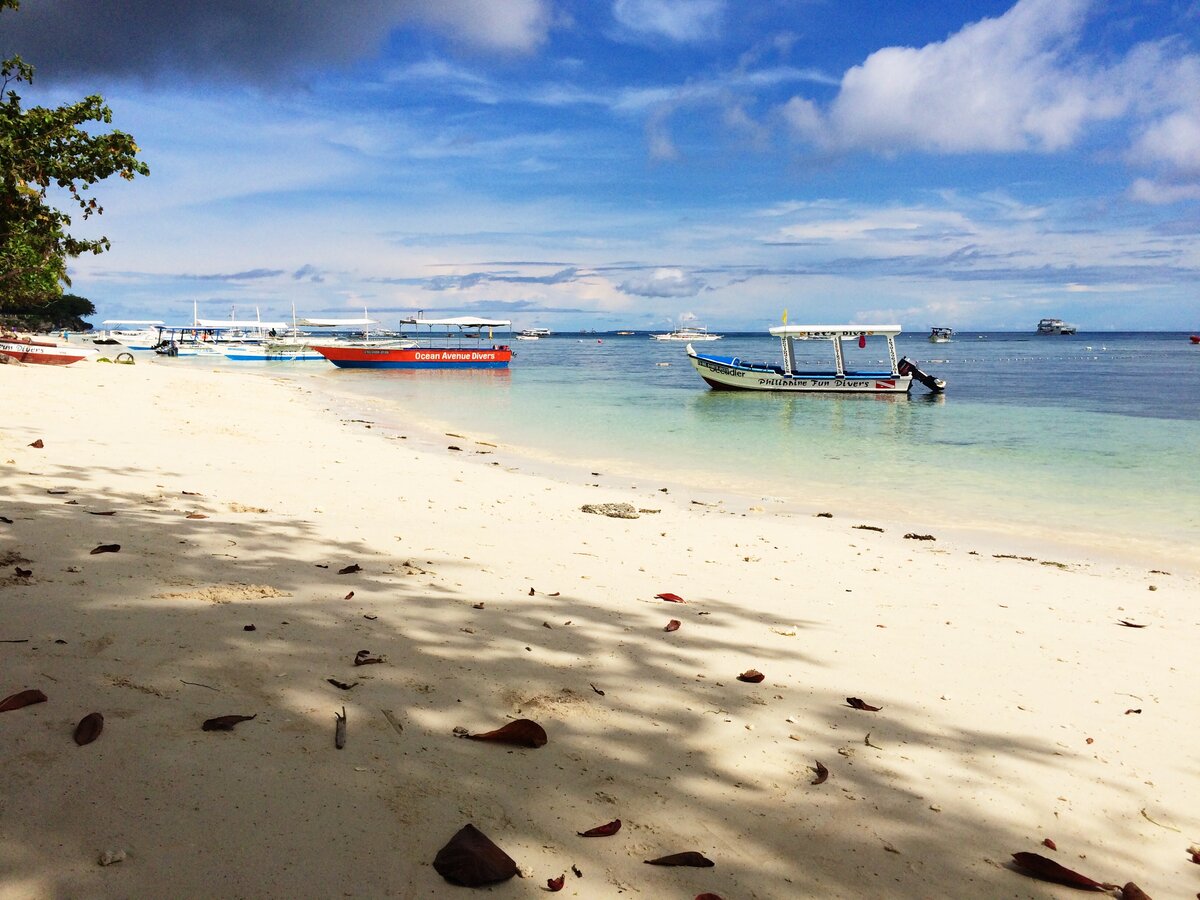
[[628, 163]]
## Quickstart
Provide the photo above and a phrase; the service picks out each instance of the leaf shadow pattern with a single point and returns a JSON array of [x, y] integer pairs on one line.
[[693, 761]]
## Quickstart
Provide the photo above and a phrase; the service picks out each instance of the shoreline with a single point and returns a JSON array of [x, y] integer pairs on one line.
[[1007, 687]]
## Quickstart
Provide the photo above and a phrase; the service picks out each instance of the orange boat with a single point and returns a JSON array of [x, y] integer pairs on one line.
[[437, 352]]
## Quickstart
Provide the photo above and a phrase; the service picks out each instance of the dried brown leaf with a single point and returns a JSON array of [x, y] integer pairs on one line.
[[1040, 867], [1049, 843], [22, 699], [225, 723], [350, 569], [349, 596], [471, 859], [197, 516], [1132, 892], [364, 658], [89, 728], [606, 830], [857, 703], [751, 676], [822, 774], [22, 573], [554, 885], [37, 445], [1129, 624], [106, 548], [518, 733], [687, 858], [673, 625], [341, 684]]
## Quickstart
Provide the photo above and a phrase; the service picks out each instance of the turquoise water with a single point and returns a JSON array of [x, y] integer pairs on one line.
[[1091, 440]]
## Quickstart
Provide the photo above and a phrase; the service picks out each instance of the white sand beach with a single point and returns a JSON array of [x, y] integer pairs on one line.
[[1014, 706]]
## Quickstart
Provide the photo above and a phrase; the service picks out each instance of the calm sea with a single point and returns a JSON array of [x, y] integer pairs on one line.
[[1089, 440]]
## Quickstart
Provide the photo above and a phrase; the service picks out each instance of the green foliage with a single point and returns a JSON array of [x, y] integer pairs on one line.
[[41, 148], [66, 311]]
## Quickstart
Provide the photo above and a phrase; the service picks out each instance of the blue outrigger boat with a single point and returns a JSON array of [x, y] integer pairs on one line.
[[730, 373]]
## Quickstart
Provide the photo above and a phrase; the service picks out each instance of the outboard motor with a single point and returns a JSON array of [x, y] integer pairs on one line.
[[907, 367]]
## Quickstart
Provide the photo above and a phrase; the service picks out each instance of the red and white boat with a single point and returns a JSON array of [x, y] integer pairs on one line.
[[468, 349], [41, 352], [1195, 338]]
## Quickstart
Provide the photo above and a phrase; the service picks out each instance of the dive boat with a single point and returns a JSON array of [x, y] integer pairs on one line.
[[689, 334], [437, 352], [730, 373], [939, 335], [1195, 338], [1055, 326], [132, 334], [296, 345], [41, 352]]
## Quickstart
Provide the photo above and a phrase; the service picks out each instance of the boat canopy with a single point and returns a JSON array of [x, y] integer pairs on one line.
[[459, 321], [832, 332], [108, 323], [335, 323], [238, 323]]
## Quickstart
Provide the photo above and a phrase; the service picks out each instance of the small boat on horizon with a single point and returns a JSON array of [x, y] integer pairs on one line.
[[940, 335], [688, 333], [1195, 338], [1055, 326], [730, 373]]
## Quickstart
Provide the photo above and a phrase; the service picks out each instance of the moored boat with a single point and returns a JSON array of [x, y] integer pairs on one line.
[[1195, 338], [438, 351], [730, 373], [940, 335], [41, 352], [689, 334]]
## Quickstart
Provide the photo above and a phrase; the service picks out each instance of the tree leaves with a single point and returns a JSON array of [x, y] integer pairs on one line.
[[606, 830]]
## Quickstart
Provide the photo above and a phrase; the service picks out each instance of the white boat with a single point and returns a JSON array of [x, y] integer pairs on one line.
[[940, 335], [730, 373], [532, 334], [296, 345], [689, 334], [1055, 326], [132, 334]]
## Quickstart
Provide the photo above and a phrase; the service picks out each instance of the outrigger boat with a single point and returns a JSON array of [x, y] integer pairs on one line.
[[730, 373], [41, 352], [687, 333], [406, 353], [940, 335]]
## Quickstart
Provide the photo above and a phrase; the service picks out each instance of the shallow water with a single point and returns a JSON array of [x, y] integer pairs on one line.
[[1090, 439]]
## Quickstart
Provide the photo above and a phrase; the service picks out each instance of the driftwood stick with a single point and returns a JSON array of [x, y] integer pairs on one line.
[[339, 731]]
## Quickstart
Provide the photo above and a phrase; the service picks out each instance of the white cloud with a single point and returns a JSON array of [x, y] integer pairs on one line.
[[515, 25], [679, 20], [1158, 193], [663, 283], [1005, 84], [1173, 142]]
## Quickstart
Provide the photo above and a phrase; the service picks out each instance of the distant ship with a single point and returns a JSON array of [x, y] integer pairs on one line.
[[1055, 326]]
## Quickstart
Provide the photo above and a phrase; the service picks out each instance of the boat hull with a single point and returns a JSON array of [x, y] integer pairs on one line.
[[497, 357], [722, 374], [42, 353]]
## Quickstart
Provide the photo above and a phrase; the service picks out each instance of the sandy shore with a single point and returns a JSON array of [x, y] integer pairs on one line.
[[1014, 705]]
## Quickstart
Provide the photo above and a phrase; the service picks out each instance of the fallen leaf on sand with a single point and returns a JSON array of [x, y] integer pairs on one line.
[[708, 897], [364, 658], [576, 870], [1037, 866], [1049, 843], [672, 598], [596, 689], [555, 594], [350, 569], [1132, 892], [107, 548], [190, 493], [532, 592], [89, 728], [856, 703], [519, 733], [342, 684], [1129, 624], [751, 676], [349, 596], [472, 860], [37, 445], [556, 884], [107, 512], [822, 774], [673, 625], [22, 573], [687, 858], [197, 516], [225, 723], [602, 830], [22, 699]]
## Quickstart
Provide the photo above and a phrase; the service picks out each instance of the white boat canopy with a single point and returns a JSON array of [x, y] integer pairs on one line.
[[238, 323], [832, 332], [459, 321], [335, 323], [108, 323]]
